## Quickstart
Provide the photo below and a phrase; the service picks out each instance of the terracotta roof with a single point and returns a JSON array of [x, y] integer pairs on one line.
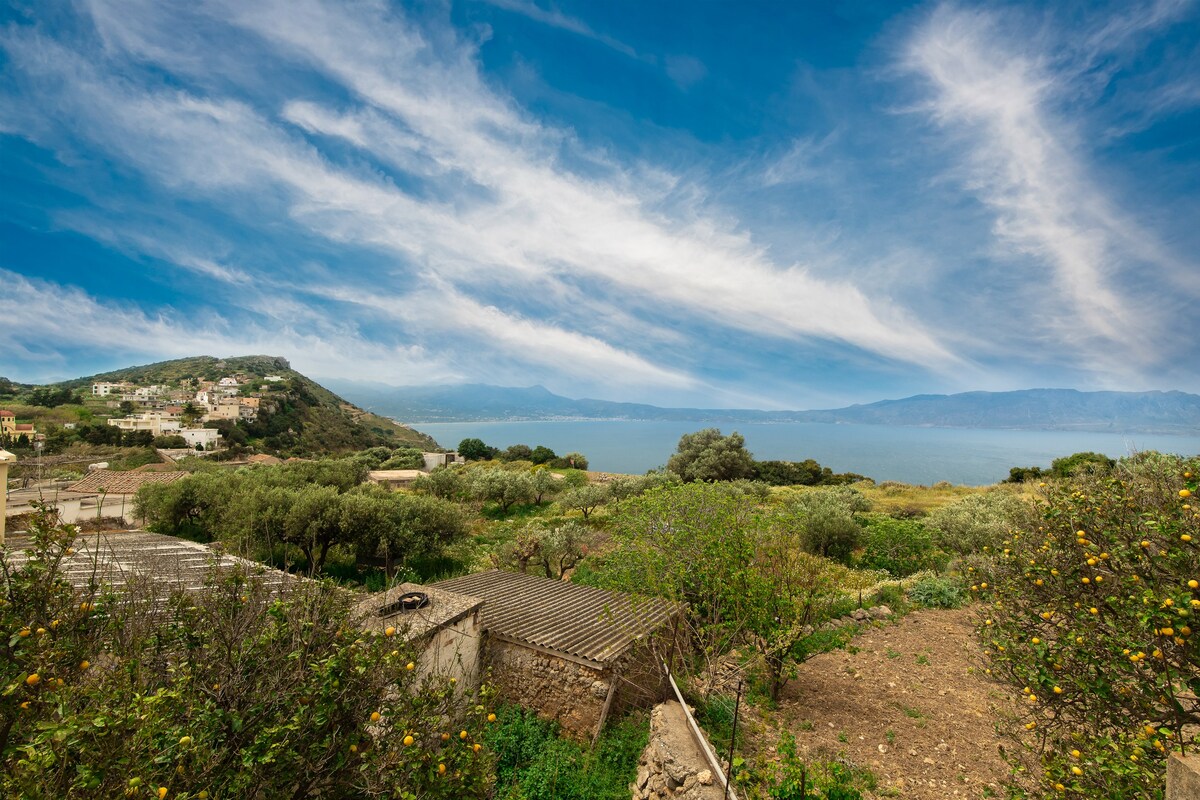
[[6, 413], [594, 625], [263, 458], [104, 480]]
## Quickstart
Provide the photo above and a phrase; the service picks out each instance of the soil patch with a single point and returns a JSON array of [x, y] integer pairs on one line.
[[908, 701]]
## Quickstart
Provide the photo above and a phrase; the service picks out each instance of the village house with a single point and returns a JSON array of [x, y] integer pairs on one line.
[[208, 438], [156, 422], [104, 389], [8, 423]]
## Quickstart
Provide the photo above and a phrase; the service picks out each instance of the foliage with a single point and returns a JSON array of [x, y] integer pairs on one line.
[[797, 780], [706, 455], [502, 487], [740, 570], [404, 458], [1079, 463], [546, 484], [977, 521], [900, 546], [534, 763], [552, 548], [824, 520], [233, 692], [1090, 611], [309, 506], [570, 461], [445, 482], [474, 449], [585, 499], [934, 592], [168, 442]]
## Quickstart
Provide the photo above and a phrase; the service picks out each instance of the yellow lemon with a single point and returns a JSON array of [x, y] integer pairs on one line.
[[33, 679], [408, 739], [389, 631], [376, 716]]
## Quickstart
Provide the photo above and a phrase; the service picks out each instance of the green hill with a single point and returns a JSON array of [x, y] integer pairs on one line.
[[298, 416]]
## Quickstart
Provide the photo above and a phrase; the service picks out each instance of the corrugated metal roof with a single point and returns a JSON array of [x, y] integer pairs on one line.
[[111, 482], [591, 624]]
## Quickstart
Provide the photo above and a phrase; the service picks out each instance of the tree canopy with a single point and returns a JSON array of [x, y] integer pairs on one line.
[[706, 455]]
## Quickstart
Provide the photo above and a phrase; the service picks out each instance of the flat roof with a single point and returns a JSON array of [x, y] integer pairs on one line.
[[594, 625], [444, 608]]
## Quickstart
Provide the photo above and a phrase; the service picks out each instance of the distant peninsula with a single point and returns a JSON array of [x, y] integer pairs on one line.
[[1169, 412]]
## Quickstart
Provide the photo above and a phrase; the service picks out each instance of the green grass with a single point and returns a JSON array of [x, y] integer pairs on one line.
[[534, 763]]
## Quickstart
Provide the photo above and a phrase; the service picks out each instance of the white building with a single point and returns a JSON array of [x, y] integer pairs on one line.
[[203, 436], [228, 382], [156, 422], [105, 389]]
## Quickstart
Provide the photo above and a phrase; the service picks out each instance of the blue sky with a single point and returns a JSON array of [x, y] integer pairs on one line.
[[767, 204]]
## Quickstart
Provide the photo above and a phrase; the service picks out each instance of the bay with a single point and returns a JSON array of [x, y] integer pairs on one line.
[[965, 456]]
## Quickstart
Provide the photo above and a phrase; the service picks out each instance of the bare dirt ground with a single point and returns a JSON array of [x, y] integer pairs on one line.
[[911, 704]]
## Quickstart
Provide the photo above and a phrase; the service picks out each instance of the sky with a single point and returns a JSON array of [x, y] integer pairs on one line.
[[765, 204]]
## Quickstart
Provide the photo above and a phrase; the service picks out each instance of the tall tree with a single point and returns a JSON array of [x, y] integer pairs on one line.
[[706, 455]]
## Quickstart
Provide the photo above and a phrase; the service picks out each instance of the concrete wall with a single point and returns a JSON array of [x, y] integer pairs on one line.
[[455, 651], [558, 689], [1183, 777]]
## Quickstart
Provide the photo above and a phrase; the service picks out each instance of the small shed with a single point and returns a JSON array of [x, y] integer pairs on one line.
[[574, 653], [444, 624]]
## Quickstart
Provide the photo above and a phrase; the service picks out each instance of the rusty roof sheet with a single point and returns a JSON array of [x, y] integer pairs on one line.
[[103, 480], [591, 624]]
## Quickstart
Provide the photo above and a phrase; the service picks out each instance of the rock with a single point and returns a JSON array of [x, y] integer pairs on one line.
[[643, 777], [881, 612], [704, 777], [860, 615], [677, 772], [928, 760], [689, 784]]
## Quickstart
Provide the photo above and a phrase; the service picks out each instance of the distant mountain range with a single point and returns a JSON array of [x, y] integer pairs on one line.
[[1028, 409]]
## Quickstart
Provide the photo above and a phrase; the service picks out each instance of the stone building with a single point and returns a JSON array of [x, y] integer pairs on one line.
[[573, 653], [445, 625]]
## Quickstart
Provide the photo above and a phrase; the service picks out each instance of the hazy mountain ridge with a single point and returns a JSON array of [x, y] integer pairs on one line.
[[1028, 409]]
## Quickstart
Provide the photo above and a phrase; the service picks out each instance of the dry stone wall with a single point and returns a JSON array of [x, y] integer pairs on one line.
[[567, 692], [672, 765]]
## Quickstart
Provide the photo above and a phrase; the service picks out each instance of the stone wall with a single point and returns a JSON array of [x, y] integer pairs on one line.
[[559, 689], [1183, 777], [672, 765]]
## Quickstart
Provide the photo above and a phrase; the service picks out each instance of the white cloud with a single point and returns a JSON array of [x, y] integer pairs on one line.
[[1001, 98], [43, 319]]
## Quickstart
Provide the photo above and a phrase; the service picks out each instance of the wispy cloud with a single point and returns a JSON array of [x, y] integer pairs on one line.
[[496, 213], [34, 323], [556, 19], [1002, 100]]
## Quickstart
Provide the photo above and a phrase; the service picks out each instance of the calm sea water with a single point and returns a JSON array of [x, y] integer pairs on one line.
[[971, 457]]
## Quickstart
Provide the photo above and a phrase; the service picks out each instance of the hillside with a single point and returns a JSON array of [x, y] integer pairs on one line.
[[298, 417], [1029, 409]]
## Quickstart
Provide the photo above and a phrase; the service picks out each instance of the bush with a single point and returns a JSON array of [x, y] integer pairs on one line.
[[533, 763], [233, 691], [902, 547], [1089, 613], [977, 522], [936, 593]]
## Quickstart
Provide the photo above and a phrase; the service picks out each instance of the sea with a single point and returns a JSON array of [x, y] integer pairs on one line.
[[962, 456]]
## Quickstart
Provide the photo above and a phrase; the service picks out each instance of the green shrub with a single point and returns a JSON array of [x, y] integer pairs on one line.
[[534, 763], [936, 593], [900, 546]]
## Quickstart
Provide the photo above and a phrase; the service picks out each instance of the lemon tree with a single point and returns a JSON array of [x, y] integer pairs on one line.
[[236, 690], [1089, 615]]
